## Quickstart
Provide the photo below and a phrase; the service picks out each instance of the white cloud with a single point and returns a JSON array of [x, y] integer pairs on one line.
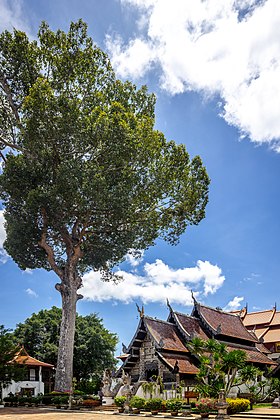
[[134, 258], [158, 283], [12, 16], [228, 48], [234, 304], [31, 293], [3, 255], [28, 271]]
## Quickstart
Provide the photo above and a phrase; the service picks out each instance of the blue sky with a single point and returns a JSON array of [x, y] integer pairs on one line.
[[215, 68]]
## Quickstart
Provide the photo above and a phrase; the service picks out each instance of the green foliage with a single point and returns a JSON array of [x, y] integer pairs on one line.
[[8, 369], [92, 168], [56, 400], [93, 350], [149, 388], [237, 405], [137, 402], [258, 386], [218, 366], [174, 404], [154, 404], [91, 386], [119, 401]]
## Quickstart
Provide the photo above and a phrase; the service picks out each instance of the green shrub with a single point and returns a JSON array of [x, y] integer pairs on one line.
[[174, 404], [119, 401], [46, 399], [22, 400], [137, 402], [36, 400], [56, 400], [64, 399], [237, 405], [154, 404]]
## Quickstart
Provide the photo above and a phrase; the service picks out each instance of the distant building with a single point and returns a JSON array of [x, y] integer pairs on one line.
[[266, 326], [159, 347], [38, 376]]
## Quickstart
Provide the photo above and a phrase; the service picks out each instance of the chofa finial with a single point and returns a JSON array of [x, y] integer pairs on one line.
[[141, 311]]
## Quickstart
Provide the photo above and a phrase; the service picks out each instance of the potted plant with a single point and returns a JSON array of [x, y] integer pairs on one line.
[[120, 401], [154, 405], [204, 406], [137, 403], [174, 405], [22, 401], [57, 401]]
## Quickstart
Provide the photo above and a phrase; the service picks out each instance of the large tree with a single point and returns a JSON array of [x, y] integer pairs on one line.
[[93, 348], [92, 179]]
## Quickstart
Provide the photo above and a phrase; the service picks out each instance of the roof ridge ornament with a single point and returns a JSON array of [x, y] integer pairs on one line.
[[140, 311], [219, 329], [124, 349], [168, 305], [193, 298]]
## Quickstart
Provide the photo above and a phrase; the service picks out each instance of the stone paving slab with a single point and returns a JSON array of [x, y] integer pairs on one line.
[[19, 413]]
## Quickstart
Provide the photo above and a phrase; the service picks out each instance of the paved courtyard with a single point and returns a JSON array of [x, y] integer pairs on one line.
[[45, 414]]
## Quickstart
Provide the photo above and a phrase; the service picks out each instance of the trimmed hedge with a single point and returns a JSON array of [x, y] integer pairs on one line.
[[237, 405]]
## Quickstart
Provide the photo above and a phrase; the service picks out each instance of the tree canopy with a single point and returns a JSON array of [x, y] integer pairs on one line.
[[94, 345], [91, 179]]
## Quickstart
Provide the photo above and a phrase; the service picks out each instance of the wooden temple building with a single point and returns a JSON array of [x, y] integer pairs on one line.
[[38, 376], [159, 347], [266, 326]]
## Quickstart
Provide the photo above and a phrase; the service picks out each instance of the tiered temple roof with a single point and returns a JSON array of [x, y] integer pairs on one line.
[[266, 327], [23, 358], [170, 338]]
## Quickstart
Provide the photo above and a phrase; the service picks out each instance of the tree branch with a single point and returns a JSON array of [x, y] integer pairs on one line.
[[7, 90], [11, 145], [47, 248]]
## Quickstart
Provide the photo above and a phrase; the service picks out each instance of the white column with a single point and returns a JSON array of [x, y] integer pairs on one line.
[[40, 379]]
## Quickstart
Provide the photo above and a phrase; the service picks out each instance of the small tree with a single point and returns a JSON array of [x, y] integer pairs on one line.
[[9, 370], [259, 386], [218, 366], [94, 345], [92, 179]]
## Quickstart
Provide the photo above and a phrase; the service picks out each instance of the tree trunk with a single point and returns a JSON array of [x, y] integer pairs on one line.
[[64, 369]]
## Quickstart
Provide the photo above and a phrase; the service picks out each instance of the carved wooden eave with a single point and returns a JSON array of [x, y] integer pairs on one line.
[[170, 364], [135, 344], [196, 313], [165, 343], [173, 316]]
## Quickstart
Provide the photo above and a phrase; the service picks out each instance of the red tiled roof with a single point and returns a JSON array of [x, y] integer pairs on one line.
[[164, 333], [230, 325], [256, 318], [262, 348], [276, 319], [190, 325], [259, 332], [30, 361], [272, 336], [253, 354], [23, 358], [184, 364]]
